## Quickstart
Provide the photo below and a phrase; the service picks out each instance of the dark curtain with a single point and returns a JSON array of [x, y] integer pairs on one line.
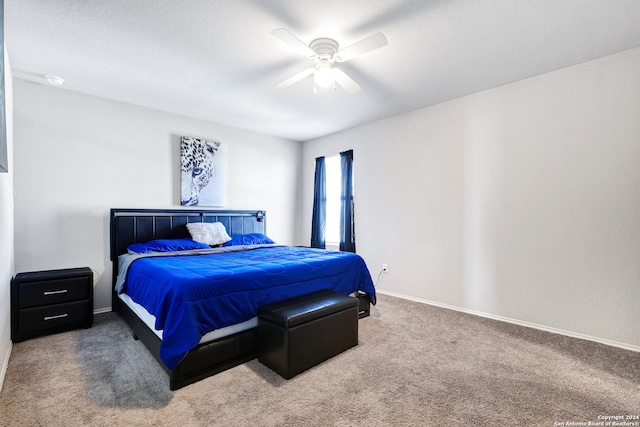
[[319, 218], [347, 228]]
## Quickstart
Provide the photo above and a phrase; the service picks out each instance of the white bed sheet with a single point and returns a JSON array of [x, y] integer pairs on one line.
[[150, 321]]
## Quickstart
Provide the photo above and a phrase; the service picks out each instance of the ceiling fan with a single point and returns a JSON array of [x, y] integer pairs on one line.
[[325, 52]]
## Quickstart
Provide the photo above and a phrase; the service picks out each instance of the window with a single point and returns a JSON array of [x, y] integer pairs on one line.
[[332, 219], [334, 180]]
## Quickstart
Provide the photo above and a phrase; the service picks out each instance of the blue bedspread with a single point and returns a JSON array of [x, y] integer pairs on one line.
[[191, 295]]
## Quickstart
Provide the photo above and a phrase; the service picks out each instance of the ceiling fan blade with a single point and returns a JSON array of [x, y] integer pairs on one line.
[[295, 78], [363, 46], [345, 81], [297, 44]]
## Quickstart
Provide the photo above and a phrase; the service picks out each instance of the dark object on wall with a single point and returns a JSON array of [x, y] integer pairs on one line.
[[47, 302], [4, 160]]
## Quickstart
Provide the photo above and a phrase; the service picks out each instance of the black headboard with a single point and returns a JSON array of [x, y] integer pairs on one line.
[[141, 225]]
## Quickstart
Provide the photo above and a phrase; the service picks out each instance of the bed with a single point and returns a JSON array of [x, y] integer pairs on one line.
[[230, 338]]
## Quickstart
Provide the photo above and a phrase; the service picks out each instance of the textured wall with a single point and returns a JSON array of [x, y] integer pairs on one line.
[[520, 202], [6, 229], [77, 156]]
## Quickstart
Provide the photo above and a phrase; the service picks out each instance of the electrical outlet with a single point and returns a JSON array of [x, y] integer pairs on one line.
[[385, 267]]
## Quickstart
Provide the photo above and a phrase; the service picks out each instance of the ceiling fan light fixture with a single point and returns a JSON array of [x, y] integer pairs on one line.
[[324, 76]]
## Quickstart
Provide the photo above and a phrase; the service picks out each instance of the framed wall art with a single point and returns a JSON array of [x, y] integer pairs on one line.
[[203, 172]]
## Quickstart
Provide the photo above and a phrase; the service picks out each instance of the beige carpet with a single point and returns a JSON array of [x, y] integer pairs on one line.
[[415, 365]]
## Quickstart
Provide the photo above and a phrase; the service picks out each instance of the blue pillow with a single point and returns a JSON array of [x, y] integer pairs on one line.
[[248, 239], [166, 245]]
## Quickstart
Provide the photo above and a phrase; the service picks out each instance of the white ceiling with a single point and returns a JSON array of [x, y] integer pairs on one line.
[[216, 60]]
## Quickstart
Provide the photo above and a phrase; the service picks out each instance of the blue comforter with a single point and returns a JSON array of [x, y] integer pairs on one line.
[[193, 294]]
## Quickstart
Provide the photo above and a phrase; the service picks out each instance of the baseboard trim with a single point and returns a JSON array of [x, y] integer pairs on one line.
[[517, 322], [102, 310], [5, 365]]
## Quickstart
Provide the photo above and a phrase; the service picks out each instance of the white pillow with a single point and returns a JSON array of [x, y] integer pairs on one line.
[[209, 233]]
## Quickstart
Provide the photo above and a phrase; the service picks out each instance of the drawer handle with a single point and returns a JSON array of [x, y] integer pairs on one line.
[[63, 291], [59, 316]]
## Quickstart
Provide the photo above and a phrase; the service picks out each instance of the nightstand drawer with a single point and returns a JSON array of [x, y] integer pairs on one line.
[[53, 291], [53, 316]]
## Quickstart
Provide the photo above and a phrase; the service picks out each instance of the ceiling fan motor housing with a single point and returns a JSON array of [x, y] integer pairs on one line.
[[325, 49]]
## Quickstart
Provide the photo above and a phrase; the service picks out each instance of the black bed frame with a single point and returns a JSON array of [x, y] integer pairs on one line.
[[141, 225]]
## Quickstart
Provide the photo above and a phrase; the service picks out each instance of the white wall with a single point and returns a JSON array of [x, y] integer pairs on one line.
[[77, 156], [6, 230], [521, 202]]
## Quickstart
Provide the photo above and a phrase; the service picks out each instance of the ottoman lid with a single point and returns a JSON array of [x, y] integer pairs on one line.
[[306, 308]]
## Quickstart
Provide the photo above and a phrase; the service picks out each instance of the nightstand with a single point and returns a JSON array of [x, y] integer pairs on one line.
[[47, 302]]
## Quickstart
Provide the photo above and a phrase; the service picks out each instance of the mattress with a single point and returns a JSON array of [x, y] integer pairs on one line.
[[150, 320]]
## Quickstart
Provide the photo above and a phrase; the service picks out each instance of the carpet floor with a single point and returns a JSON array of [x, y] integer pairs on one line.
[[415, 365]]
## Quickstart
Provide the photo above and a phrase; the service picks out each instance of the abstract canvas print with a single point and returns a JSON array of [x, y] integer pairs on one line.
[[203, 171]]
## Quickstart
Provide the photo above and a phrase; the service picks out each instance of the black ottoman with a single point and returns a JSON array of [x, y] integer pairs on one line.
[[302, 332]]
